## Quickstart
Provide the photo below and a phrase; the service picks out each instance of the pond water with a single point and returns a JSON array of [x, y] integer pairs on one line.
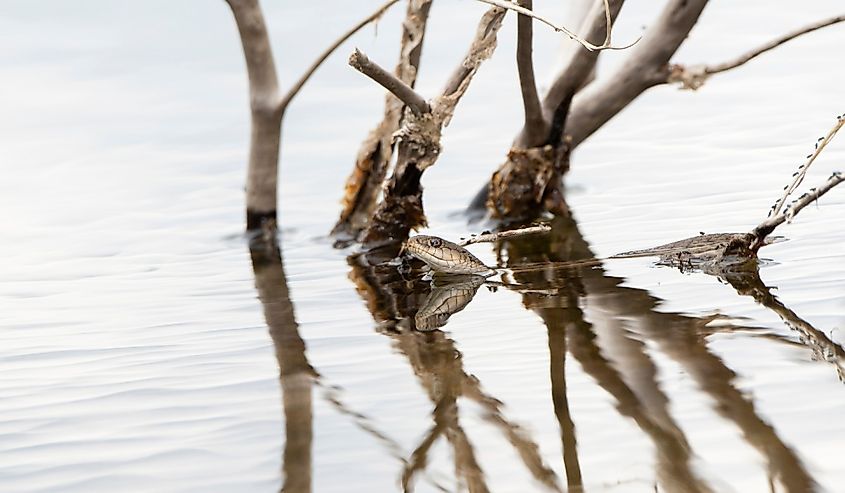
[[143, 347]]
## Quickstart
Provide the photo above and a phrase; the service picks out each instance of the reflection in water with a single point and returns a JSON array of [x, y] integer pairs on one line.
[[823, 348], [448, 296], [295, 373], [605, 327], [399, 306], [609, 349]]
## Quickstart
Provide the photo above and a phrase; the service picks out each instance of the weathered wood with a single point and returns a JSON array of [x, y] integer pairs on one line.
[[365, 183]]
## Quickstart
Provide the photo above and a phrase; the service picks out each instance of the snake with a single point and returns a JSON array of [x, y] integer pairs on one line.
[[446, 257]]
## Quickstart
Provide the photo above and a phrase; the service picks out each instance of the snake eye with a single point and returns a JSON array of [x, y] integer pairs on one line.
[[435, 242]]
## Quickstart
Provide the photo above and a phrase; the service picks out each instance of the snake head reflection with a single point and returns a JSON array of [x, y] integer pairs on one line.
[[445, 299]]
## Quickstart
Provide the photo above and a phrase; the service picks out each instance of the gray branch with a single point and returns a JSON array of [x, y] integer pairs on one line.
[[646, 67], [403, 91]]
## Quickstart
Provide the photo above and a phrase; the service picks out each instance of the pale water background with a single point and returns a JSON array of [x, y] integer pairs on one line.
[[134, 354]]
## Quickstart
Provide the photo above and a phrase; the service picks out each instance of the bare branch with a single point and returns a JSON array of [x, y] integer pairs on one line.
[[535, 124], [482, 47], [694, 76], [506, 4], [263, 167], [646, 67], [505, 235], [373, 159], [714, 69], [403, 91], [582, 63], [339, 41], [802, 170], [766, 227]]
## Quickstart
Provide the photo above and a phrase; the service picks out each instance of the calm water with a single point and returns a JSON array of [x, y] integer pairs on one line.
[[145, 348]]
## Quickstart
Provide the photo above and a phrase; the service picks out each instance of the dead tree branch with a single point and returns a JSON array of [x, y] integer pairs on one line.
[[802, 170], [419, 143], [766, 227], [694, 76], [646, 67], [397, 87], [535, 124], [581, 65], [364, 184], [506, 235], [267, 107], [263, 167], [777, 214]]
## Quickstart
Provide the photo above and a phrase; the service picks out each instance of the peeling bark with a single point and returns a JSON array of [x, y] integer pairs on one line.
[[367, 177], [419, 143]]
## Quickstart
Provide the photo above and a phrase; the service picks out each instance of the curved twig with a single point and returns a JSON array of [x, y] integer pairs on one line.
[[505, 4], [694, 76], [721, 67], [339, 41]]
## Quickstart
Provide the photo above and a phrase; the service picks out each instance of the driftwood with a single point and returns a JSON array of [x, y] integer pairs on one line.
[[267, 106]]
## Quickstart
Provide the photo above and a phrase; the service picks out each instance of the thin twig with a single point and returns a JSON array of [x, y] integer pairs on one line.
[[505, 4], [505, 235], [339, 41], [802, 170], [714, 69], [694, 76], [766, 227], [403, 91]]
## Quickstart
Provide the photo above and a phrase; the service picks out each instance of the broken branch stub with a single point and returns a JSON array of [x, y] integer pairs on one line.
[[396, 86]]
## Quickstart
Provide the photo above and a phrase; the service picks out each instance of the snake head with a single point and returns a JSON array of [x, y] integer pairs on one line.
[[444, 256]]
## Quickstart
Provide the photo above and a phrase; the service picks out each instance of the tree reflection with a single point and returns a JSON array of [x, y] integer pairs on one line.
[[296, 375]]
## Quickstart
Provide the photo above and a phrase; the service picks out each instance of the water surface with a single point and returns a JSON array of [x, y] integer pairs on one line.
[[146, 348]]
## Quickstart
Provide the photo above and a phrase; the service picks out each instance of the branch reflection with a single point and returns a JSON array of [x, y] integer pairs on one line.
[[605, 337], [408, 311], [296, 375]]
